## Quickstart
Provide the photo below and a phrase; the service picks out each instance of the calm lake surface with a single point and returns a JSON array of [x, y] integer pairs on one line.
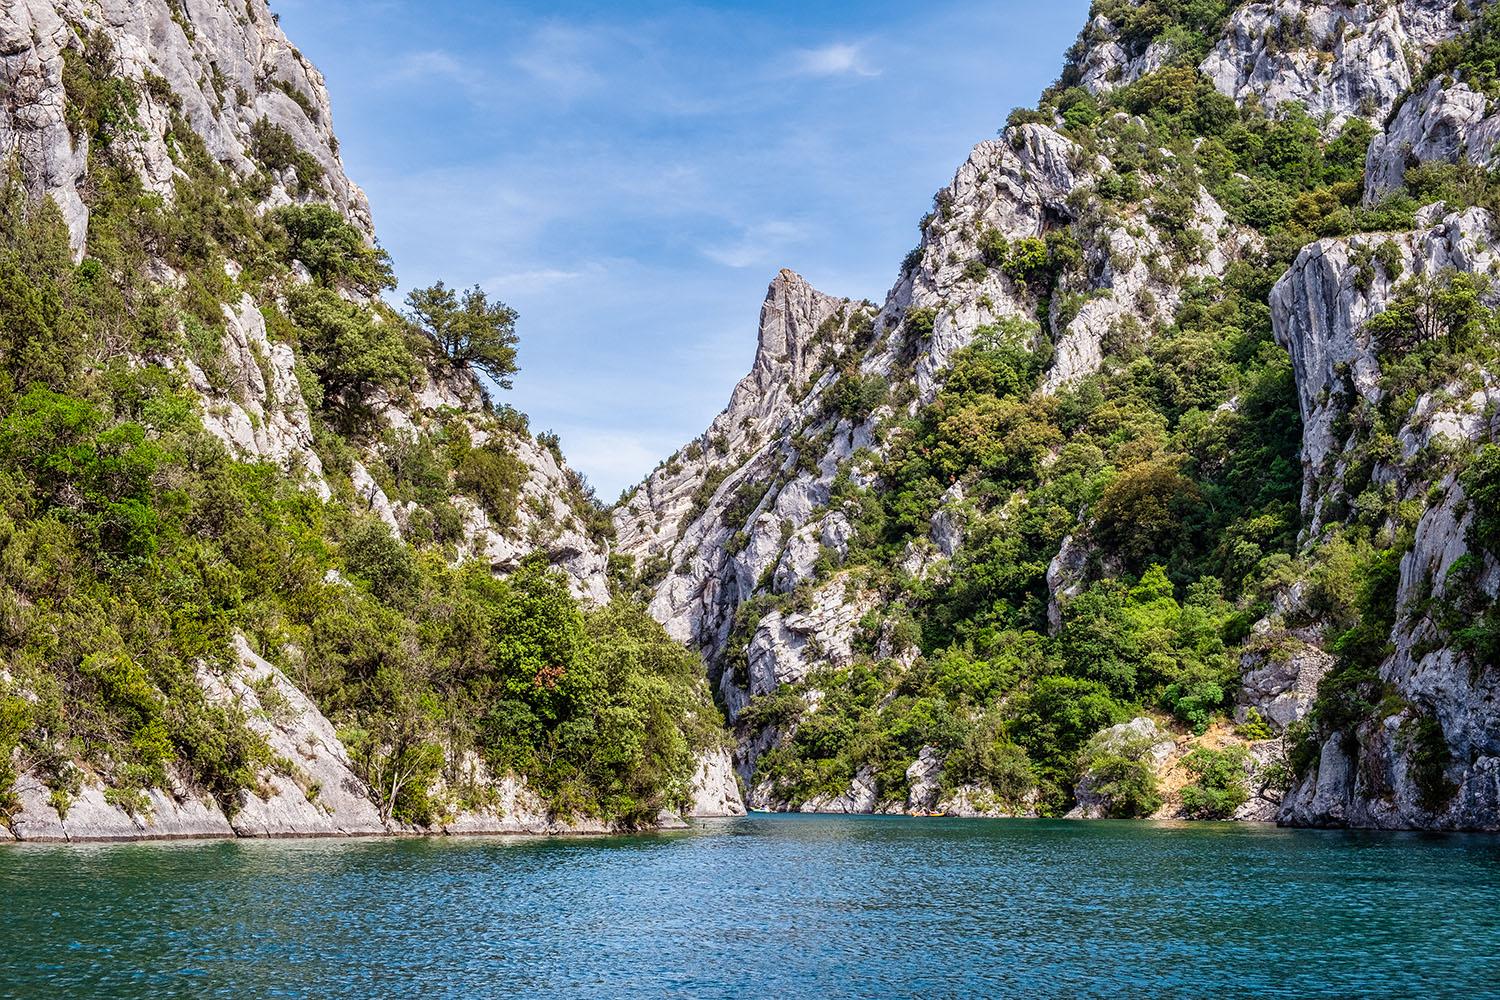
[[783, 906]]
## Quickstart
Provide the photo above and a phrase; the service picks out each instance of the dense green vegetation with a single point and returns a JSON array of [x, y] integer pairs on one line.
[[134, 546], [1173, 472]]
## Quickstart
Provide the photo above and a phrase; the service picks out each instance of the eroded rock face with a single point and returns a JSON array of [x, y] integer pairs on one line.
[[1339, 61], [716, 790], [778, 652], [1319, 310], [322, 796], [229, 68], [90, 817], [315, 792], [747, 509], [924, 780], [228, 63], [1108, 64], [1280, 683], [253, 401], [1139, 739], [860, 798], [1435, 125]]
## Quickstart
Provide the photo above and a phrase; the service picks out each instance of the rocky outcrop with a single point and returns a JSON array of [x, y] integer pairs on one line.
[[978, 802], [716, 790], [228, 64], [1279, 678], [225, 68], [777, 650], [315, 791], [1139, 740], [1369, 777], [253, 402], [1319, 310], [1107, 63], [861, 797], [924, 780], [794, 336], [1435, 125], [744, 511], [95, 814], [1340, 61]]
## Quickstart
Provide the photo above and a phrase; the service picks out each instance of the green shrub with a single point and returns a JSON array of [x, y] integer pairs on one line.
[[276, 150], [332, 249], [494, 477], [1124, 775], [1219, 785]]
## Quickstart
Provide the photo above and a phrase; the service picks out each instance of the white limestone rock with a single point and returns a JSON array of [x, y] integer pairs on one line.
[[1339, 61], [1435, 125], [716, 790], [776, 651], [324, 797], [1319, 312], [91, 817], [859, 798], [236, 46], [923, 779], [1140, 739]]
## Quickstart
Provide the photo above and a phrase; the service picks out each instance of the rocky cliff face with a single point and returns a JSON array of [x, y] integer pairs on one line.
[[1367, 776], [228, 63], [723, 531], [227, 70], [224, 71]]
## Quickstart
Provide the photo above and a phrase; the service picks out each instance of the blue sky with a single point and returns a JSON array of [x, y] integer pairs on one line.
[[630, 177]]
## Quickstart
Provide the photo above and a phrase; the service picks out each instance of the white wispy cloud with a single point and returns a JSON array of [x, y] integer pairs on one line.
[[758, 245], [565, 60], [526, 282], [835, 59], [429, 63]]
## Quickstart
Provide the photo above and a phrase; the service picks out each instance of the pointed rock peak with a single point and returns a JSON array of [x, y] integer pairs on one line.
[[789, 321]]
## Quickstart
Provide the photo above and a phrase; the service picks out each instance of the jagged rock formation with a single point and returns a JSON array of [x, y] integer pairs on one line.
[[228, 63], [228, 68], [1437, 125], [662, 523], [1342, 61], [730, 530], [224, 71], [1321, 310]]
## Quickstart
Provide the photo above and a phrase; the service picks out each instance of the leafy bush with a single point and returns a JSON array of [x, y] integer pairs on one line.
[[349, 346], [1124, 774], [333, 250], [276, 150], [494, 477], [1219, 785]]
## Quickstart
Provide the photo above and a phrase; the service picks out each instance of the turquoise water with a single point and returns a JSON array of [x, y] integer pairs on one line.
[[785, 907]]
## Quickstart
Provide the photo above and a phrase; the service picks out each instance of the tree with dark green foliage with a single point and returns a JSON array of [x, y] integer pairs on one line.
[[348, 345], [470, 331], [334, 252]]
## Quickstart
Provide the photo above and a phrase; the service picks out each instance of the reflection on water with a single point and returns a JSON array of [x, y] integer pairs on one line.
[[779, 906]]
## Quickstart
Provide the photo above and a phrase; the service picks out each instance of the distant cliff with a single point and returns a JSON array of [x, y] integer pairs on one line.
[[1181, 409]]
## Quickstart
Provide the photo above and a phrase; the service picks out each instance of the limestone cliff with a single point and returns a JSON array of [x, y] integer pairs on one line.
[[221, 72], [767, 503]]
